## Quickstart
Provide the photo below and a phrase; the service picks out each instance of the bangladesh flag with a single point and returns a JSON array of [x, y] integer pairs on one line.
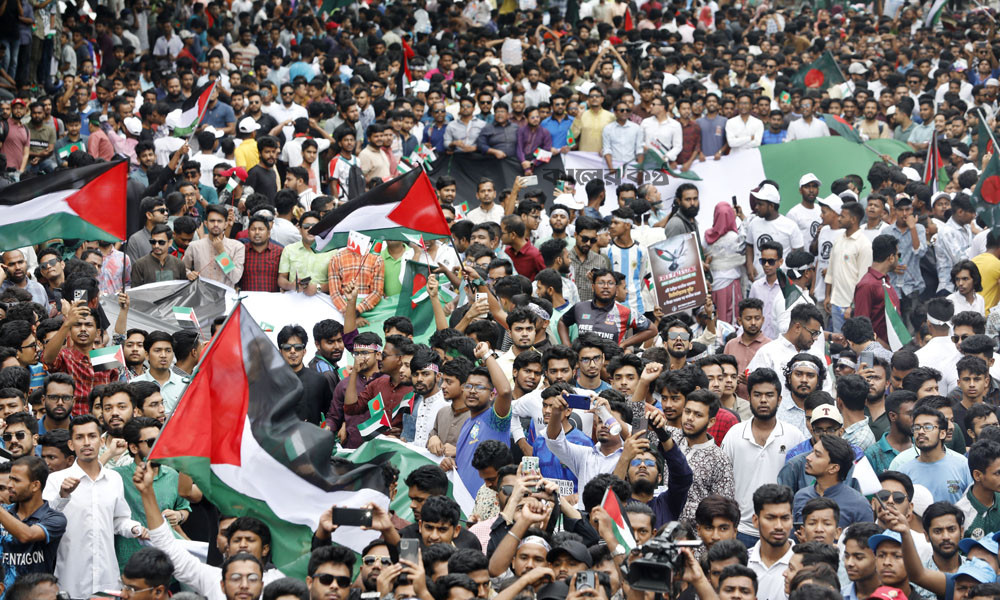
[[418, 309], [655, 159], [895, 329], [984, 141], [193, 110], [839, 126], [820, 74], [63, 152], [378, 421], [988, 188], [236, 433], [623, 532], [401, 207], [85, 203]]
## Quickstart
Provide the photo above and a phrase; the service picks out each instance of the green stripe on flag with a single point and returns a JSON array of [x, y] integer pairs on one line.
[[898, 335]]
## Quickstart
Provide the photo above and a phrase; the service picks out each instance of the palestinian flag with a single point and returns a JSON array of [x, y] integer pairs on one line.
[[86, 203], [63, 152], [378, 421], [418, 310], [820, 74], [839, 126], [406, 205], [186, 318], [236, 434], [933, 16], [623, 532], [193, 110], [895, 329], [107, 359], [655, 159], [934, 174]]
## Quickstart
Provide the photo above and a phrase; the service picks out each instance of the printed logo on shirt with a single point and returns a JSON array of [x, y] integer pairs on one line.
[[977, 533], [474, 433], [954, 486], [814, 228], [763, 239], [824, 251]]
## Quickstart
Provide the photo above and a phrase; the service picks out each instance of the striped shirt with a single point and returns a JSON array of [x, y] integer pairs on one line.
[[633, 262]]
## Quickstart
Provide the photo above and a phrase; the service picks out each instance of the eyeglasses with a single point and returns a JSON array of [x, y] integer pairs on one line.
[[296, 347], [159, 242], [897, 497], [475, 388], [622, 110], [643, 462], [363, 353], [591, 360], [678, 335], [249, 577], [49, 263], [131, 589], [813, 334], [343, 581], [370, 560], [148, 441], [605, 283], [57, 398], [826, 430], [926, 427], [586, 239], [33, 344], [20, 435], [768, 261], [961, 338]]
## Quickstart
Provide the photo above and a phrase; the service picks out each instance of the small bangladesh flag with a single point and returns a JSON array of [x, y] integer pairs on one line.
[[820, 74], [899, 336], [570, 138], [267, 327], [64, 152], [225, 262], [107, 359], [378, 420], [186, 318], [988, 188], [461, 210], [542, 155], [623, 533]]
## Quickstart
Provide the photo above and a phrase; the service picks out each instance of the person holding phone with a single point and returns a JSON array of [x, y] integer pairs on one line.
[[68, 351]]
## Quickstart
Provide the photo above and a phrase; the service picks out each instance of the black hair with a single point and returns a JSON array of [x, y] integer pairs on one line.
[[716, 505], [771, 493], [821, 503], [467, 560], [285, 586], [852, 390], [940, 509], [152, 565], [763, 375], [727, 549], [902, 478], [241, 557], [440, 509], [428, 478], [339, 555], [491, 453]]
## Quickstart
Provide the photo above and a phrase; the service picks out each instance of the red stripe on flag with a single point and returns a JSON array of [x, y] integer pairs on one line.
[[101, 202]]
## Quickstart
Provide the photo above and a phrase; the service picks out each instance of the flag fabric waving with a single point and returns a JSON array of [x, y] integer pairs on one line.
[[235, 431], [623, 533], [406, 205], [86, 203], [193, 110], [934, 167], [899, 336], [415, 303], [820, 74], [841, 127], [378, 421], [987, 193]]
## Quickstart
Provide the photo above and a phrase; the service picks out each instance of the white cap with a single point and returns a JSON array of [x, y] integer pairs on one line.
[[848, 195], [767, 193], [833, 202], [133, 125], [890, 111], [940, 195], [421, 85], [809, 178], [857, 69], [216, 132], [248, 125], [570, 201], [992, 81], [922, 498], [584, 88], [911, 173], [826, 411], [173, 119], [966, 167], [185, 34]]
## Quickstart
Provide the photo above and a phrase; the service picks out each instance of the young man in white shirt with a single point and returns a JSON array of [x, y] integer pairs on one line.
[[850, 259], [771, 226], [806, 214], [744, 131]]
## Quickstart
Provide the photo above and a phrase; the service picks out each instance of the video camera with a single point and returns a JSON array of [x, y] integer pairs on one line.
[[660, 561]]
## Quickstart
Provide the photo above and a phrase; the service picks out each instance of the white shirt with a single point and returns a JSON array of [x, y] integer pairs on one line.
[[282, 113], [940, 353], [979, 243], [953, 245], [478, 215], [755, 465], [427, 412], [95, 513], [849, 261], [961, 305], [534, 96], [207, 162], [668, 133], [772, 297], [284, 232], [770, 580], [775, 355], [586, 463], [781, 230], [871, 234], [291, 152], [808, 220], [743, 136], [801, 130], [824, 244]]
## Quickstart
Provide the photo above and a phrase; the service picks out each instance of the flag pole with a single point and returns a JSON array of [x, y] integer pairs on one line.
[[201, 114], [125, 260]]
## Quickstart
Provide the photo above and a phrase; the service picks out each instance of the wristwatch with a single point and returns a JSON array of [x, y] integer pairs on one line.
[[619, 551]]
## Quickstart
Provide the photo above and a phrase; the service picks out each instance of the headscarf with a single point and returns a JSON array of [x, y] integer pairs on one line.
[[724, 221]]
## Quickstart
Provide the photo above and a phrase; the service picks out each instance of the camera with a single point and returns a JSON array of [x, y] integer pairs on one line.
[[660, 561]]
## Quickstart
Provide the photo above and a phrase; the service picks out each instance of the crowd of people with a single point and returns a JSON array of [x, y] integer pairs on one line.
[[824, 426]]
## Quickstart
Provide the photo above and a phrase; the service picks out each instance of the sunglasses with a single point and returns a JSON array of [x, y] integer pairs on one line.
[[622, 110], [586, 239], [49, 263], [296, 347], [148, 441], [370, 560], [768, 261], [679, 335], [643, 462], [159, 242], [897, 497], [162, 209], [343, 581], [20, 435]]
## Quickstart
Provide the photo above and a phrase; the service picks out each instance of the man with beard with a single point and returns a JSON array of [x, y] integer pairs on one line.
[[32, 528], [750, 316], [805, 324], [328, 335], [367, 353], [806, 214], [262, 258], [550, 286], [559, 221], [425, 368], [804, 374], [555, 254], [676, 336], [21, 434], [712, 470], [829, 462], [140, 434], [346, 177], [770, 555], [392, 384], [374, 558], [58, 400], [135, 352], [117, 409], [757, 449], [583, 259], [79, 329], [898, 438], [877, 376], [204, 256], [685, 211], [521, 325], [590, 353], [944, 524], [605, 316], [15, 273], [945, 474], [159, 347], [263, 177], [771, 226]]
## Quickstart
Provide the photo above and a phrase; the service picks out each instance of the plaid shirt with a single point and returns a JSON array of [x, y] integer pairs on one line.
[[724, 420], [691, 138], [260, 269], [76, 363], [367, 273]]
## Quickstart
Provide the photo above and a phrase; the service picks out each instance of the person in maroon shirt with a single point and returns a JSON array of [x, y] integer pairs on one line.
[[394, 384], [527, 259], [869, 294]]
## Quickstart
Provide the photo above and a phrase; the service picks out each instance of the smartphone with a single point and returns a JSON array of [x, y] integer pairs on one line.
[[530, 180], [79, 295], [734, 202], [585, 580], [578, 401], [529, 464], [481, 296], [643, 424], [355, 517], [408, 549], [867, 357], [305, 280]]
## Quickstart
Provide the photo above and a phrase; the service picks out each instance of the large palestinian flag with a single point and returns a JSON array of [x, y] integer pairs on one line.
[[193, 110], [85, 203], [400, 209], [236, 433]]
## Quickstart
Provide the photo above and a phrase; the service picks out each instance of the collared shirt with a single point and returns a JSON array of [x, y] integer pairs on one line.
[[666, 135], [531, 139], [853, 506], [622, 141], [610, 322], [76, 363], [712, 470], [434, 135], [850, 258], [588, 129], [165, 484], [755, 464], [979, 518], [336, 417], [171, 390], [34, 288], [149, 270], [497, 137], [201, 257], [690, 141], [742, 135], [527, 261], [111, 277], [260, 269], [301, 262], [869, 300], [422, 419], [744, 353], [880, 454], [558, 129], [586, 462], [367, 273], [581, 270], [770, 580], [775, 355], [448, 424], [770, 294], [95, 513], [790, 412], [467, 133], [801, 130], [953, 245], [860, 434]]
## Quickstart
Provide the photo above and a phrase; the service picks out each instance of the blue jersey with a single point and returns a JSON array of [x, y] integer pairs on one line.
[[487, 425]]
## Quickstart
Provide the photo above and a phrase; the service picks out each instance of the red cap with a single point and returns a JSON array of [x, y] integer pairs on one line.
[[885, 592]]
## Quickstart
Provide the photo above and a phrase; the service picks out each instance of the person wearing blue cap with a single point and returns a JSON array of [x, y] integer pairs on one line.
[[889, 561], [969, 575]]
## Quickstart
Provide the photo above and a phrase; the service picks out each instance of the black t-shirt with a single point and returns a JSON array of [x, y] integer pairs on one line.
[[263, 181], [316, 396], [33, 557]]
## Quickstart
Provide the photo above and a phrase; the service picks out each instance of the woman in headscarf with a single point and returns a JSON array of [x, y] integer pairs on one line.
[[724, 248]]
